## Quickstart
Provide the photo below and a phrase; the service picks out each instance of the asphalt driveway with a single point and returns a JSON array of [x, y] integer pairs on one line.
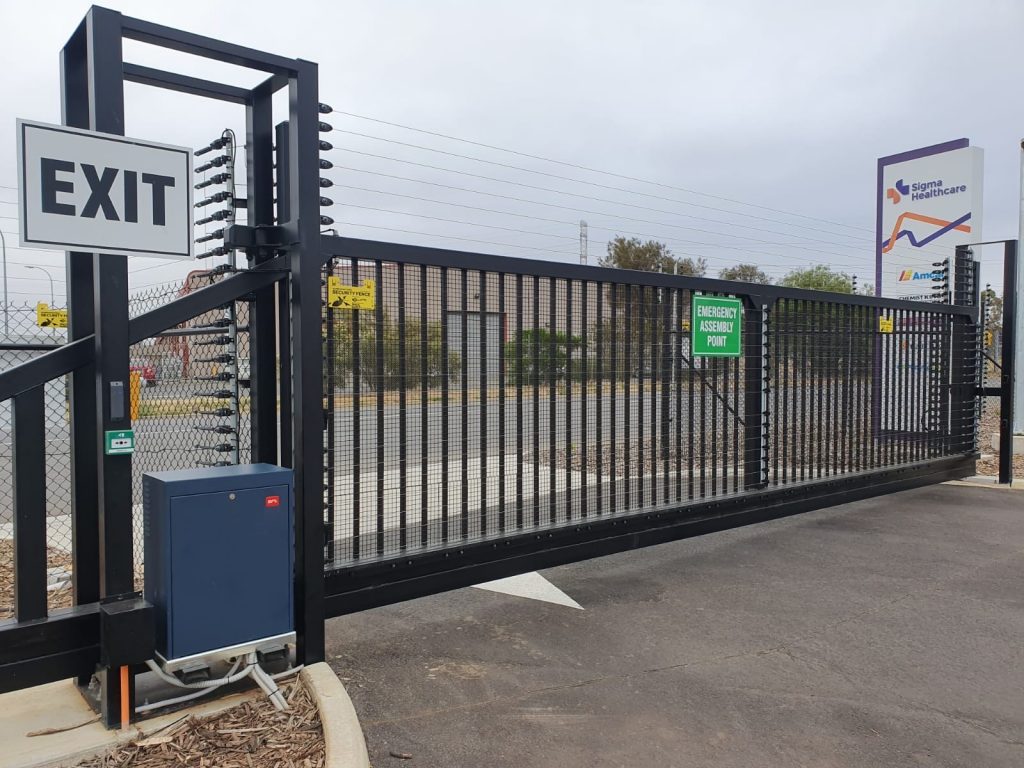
[[888, 632]]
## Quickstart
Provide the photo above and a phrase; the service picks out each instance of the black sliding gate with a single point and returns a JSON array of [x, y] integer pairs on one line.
[[588, 427], [477, 416]]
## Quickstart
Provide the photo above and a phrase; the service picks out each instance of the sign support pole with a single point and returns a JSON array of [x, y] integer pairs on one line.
[[93, 87]]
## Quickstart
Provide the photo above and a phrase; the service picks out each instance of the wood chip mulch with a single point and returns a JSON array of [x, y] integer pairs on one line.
[[251, 735], [55, 598]]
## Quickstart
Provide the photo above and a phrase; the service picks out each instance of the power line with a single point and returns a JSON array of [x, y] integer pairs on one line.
[[591, 197], [594, 184], [582, 210], [597, 170]]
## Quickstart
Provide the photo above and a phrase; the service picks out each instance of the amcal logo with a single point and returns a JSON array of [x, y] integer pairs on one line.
[[909, 274], [896, 192]]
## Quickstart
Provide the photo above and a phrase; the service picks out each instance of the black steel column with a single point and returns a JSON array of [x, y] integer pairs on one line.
[[1008, 371], [29, 474], [283, 305], [262, 311], [755, 470], [303, 192], [109, 404], [85, 543]]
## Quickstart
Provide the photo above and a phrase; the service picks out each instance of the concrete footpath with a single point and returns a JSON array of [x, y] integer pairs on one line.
[[888, 632]]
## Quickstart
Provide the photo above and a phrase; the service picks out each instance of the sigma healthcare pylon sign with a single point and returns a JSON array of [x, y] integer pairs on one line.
[[928, 201]]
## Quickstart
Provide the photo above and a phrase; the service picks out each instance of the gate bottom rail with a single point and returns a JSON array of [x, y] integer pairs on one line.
[[361, 586]]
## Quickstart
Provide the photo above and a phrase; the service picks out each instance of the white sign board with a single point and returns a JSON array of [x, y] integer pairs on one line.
[[929, 201], [96, 192]]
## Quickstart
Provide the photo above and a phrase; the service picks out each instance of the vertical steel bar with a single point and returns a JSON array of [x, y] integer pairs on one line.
[[568, 399], [357, 421], [403, 431], [28, 471], [76, 101], [584, 393], [599, 376], [426, 371], [331, 361], [666, 393], [641, 388], [519, 401], [613, 445], [445, 380], [482, 410], [535, 338], [464, 403], [307, 360], [1008, 373], [502, 385], [552, 405], [378, 335], [628, 368]]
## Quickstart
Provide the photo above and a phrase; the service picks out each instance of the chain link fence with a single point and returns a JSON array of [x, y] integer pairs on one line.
[[189, 407]]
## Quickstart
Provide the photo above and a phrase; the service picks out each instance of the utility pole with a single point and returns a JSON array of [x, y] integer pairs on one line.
[[1018, 353], [583, 242]]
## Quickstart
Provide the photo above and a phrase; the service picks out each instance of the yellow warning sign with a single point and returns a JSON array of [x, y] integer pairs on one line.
[[50, 318], [988, 338], [885, 324], [341, 296], [686, 325]]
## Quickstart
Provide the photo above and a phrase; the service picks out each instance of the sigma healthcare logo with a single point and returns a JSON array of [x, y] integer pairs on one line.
[[909, 274], [922, 190]]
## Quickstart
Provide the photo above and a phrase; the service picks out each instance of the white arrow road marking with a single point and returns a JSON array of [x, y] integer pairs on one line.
[[532, 586]]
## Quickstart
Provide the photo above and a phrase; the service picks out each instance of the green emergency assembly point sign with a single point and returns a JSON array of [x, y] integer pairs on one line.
[[119, 442], [717, 326]]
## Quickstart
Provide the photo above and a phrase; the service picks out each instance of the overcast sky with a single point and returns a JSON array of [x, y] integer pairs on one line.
[[761, 122]]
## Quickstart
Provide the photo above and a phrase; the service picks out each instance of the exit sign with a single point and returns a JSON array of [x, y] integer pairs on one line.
[[100, 193], [117, 442], [717, 326]]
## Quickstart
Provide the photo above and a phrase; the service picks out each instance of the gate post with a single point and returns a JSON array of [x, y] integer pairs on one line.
[[303, 193], [1008, 372], [93, 97], [755, 364], [262, 321]]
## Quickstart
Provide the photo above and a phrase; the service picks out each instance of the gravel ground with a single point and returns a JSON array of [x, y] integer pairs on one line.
[[988, 426], [251, 735], [58, 561]]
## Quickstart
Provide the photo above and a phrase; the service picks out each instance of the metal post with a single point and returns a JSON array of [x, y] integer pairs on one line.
[[303, 190], [1018, 323], [93, 97], [1007, 382], [259, 141], [7, 325]]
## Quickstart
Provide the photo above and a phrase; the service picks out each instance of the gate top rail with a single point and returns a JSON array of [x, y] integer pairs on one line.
[[68, 357], [332, 247]]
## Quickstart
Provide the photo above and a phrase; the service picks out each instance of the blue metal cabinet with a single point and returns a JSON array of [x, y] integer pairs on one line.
[[219, 548]]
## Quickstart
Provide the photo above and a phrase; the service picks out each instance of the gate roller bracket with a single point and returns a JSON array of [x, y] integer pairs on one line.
[[259, 240]]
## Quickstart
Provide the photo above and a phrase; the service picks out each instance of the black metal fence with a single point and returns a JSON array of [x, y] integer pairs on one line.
[[484, 398]]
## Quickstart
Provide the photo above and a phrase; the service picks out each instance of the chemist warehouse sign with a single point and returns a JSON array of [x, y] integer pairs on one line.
[[928, 202], [717, 326]]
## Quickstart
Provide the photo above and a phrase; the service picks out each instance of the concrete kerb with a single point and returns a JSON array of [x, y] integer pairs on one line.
[[343, 736]]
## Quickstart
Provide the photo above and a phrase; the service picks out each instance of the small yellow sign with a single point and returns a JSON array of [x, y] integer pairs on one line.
[[341, 296], [988, 338], [50, 318], [885, 324], [686, 325]]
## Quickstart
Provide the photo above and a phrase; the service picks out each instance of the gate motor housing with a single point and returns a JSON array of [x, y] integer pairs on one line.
[[219, 546]]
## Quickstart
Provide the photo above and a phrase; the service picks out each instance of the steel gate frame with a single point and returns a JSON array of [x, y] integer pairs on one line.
[[357, 586]]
